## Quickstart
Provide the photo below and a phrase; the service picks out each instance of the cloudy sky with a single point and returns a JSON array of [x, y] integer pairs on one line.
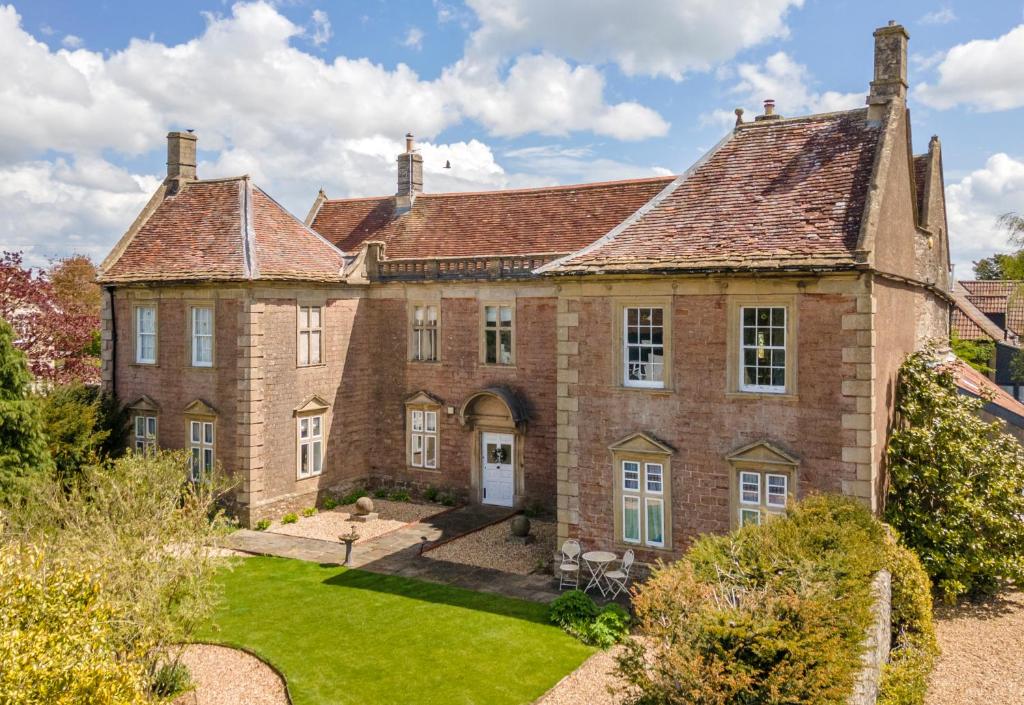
[[303, 94]]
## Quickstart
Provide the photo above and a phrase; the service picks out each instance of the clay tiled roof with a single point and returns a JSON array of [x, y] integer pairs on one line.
[[968, 321], [553, 220], [787, 192], [976, 384], [999, 296], [223, 229]]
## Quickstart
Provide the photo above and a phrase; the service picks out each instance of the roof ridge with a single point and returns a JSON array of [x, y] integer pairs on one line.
[[531, 189], [305, 227], [217, 180], [798, 118]]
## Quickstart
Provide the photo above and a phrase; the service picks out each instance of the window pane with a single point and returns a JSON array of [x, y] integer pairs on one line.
[[208, 432], [506, 315], [490, 315], [195, 463], [491, 344], [654, 477], [304, 459], [631, 519], [314, 347], [630, 475], [317, 459], [151, 423], [417, 450], [208, 459], [196, 432], [314, 317], [749, 516], [432, 314], [776, 490], [316, 425], [750, 488], [303, 317], [417, 420], [304, 428], [431, 421], [304, 348], [140, 426], [506, 347], [655, 522], [430, 451]]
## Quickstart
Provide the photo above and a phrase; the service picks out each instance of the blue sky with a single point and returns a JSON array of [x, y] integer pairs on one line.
[[304, 94]]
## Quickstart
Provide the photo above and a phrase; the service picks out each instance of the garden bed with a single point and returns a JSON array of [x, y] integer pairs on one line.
[[490, 548], [327, 525], [225, 676]]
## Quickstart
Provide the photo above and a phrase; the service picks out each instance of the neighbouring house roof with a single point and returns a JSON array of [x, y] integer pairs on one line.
[[774, 193], [222, 229], [552, 220], [998, 401], [968, 321], [998, 296]]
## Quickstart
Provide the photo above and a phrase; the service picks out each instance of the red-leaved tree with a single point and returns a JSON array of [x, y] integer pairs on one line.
[[56, 327]]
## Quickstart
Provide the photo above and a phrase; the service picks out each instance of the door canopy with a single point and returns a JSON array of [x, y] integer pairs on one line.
[[494, 407]]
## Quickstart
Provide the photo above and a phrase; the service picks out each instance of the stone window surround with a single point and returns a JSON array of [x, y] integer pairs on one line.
[[643, 449], [413, 329], [310, 303], [619, 336], [201, 417], [136, 333], [764, 459], [482, 309], [734, 338], [423, 434], [148, 440], [313, 406], [189, 332], [311, 440]]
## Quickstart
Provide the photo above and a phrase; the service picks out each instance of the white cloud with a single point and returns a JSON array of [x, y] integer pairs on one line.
[[975, 202], [943, 15], [788, 83], [987, 74], [581, 164], [321, 28], [413, 38], [72, 42], [651, 37]]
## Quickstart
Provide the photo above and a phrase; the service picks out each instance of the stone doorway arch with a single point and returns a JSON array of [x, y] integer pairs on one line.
[[497, 417]]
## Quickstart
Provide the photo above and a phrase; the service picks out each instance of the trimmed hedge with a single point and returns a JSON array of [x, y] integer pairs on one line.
[[775, 613]]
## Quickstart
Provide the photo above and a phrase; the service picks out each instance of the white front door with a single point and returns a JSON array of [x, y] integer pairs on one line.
[[497, 464]]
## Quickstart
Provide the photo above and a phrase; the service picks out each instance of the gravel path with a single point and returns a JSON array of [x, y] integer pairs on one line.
[[982, 653], [588, 684], [328, 525], [224, 676], [490, 548]]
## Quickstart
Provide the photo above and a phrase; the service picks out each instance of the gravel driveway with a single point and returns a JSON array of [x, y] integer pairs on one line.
[[982, 653]]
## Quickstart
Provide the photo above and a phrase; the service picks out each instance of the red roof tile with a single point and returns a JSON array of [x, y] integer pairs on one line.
[[553, 220], [999, 296], [782, 192], [968, 321], [978, 385], [223, 229]]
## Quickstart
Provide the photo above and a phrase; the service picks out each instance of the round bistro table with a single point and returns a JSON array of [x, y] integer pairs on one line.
[[597, 563]]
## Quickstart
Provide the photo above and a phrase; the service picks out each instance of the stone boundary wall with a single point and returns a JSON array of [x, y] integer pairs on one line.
[[876, 654]]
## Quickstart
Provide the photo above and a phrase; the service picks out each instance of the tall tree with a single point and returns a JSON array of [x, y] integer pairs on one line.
[[23, 451]]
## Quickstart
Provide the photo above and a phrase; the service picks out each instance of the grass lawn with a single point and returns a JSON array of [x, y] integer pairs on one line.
[[349, 636]]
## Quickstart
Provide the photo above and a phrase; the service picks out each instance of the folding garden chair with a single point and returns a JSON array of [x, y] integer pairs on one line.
[[569, 569], [617, 581]]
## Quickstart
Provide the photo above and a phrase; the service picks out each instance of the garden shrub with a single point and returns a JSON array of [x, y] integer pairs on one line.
[[768, 614], [448, 499], [290, 518], [431, 494], [399, 496], [578, 615], [309, 511], [171, 679], [956, 490], [262, 525], [572, 607], [73, 424], [380, 493], [329, 503], [353, 496]]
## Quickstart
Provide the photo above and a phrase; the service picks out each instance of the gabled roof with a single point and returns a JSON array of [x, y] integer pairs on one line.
[[774, 193], [999, 296], [225, 230], [552, 220], [997, 400], [968, 321]]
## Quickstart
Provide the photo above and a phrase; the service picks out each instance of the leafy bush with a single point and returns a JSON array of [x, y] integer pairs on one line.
[[171, 679], [431, 494], [448, 499], [290, 518], [380, 493], [609, 628], [262, 525], [979, 354], [329, 503], [956, 489], [399, 496], [353, 496], [770, 613], [309, 511], [571, 608], [579, 616]]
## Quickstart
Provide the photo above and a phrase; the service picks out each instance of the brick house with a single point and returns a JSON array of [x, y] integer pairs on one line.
[[651, 358]]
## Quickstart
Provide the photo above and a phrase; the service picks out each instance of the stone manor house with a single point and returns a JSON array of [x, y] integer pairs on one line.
[[651, 358]]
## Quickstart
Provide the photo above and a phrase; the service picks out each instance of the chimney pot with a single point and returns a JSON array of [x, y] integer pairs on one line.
[[769, 111], [409, 143], [890, 80], [181, 155]]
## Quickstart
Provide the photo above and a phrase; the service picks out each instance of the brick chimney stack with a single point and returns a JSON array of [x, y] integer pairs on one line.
[[181, 155], [410, 171], [890, 64]]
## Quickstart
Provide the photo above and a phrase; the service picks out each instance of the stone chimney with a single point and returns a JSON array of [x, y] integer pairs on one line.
[[890, 64], [181, 155], [410, 172], [769, 111]]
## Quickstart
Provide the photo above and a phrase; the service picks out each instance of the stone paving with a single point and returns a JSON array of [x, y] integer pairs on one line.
[[398, 553]]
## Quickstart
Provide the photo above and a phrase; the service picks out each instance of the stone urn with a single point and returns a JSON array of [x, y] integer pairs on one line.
[[520, 525], [364, 510]]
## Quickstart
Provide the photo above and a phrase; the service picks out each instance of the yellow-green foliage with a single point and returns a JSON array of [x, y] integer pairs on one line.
[[768, 614], [914, 646], [57, 645]]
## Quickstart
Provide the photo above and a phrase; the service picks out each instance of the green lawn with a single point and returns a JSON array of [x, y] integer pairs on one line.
[[348, 636]]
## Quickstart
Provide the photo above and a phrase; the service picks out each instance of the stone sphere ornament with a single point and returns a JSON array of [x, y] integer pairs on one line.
[[364, 505], [520, 525]]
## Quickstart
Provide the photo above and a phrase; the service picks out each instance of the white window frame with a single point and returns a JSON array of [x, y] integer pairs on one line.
[[202, 443], [764, 508], [198, 337], [307, 333], [499, 327], [309, 435], [640, 474], [650, 346], [757, 482], [423, 429], [634, 498], [425, 329], [141, 334], [648, 502], [756, 346], [144, 433], [768, 477]]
